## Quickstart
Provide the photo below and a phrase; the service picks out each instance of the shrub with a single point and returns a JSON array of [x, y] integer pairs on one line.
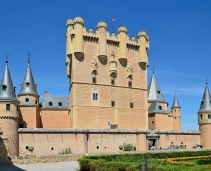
[[128, 147], [66, 151]]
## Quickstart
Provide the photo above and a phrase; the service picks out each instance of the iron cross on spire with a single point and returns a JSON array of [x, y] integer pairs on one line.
[[207, 80], [153, 70], [6, 54], [28, 57]]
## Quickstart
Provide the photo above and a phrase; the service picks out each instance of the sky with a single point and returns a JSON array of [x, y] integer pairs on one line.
[[179, 32]]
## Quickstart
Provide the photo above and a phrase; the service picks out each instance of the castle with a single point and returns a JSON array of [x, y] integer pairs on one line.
[[109, 101]]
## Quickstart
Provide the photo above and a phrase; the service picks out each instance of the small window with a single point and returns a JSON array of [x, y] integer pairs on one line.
[[97, 147], [94, 80], [7, 106], [175, 110], [131, 105], [52, 148], [112, 103], [160, 107], [27, 99], [4, 87], [158, 92], [17, 108], [109, 123], [27, 147], [50, 104], [21, 126], [175, 117], [130, 84], [201, 116], [60, 103], [153, 123], [112, 82], [95, 96], [202, 102], [27, 84], [209, 116], [35, 101]]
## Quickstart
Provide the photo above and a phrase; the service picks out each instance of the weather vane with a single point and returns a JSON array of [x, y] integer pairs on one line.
[[6, 54], [153, 70], [207, 80], [28, 57]]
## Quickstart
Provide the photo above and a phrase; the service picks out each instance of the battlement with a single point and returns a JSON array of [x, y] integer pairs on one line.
[[77, 36]]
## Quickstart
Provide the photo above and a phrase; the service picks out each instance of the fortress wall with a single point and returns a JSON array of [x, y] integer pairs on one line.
[[97, 140]]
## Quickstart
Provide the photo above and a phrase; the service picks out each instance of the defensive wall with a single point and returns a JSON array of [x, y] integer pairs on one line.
[[52, 141]]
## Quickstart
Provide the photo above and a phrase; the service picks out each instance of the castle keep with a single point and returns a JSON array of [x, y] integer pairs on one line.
[[109, 103]]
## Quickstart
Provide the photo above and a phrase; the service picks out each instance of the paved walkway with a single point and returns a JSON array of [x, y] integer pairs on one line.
[[58, 166]]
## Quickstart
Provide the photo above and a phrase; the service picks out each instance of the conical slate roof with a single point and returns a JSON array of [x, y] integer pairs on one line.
[[175, 102], [28, 87], [7, 89], [154, 91], [205, 103], [155, 107]]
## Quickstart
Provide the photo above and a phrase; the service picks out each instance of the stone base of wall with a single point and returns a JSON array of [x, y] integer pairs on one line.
[[45, 158]]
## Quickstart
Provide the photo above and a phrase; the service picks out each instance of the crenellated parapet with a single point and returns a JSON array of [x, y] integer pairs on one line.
[[77, 37]]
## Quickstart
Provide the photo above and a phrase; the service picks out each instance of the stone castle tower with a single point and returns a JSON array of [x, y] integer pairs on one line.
[[9, 111], [29, 102], [204, 119], [108, 76]]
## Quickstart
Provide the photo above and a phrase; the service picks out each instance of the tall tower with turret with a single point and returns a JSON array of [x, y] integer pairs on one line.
[[175, 111], [9, 111], [204, 119], [29, 102], [108, 76]]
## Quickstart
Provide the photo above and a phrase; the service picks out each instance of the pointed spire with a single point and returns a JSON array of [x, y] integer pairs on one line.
[[206, 100], [175, 102], [154, 91], [28, 87], [7, 89]]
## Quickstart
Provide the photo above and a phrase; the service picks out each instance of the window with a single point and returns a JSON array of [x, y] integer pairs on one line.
[[158, 92], [97, 147], [201, 116], [21, 126], [17, 108], [112, 103], [7, 106], [4, 87], [130, 84], [209, 116], [94, 80], [95, 96], [50, 104], [35, 101], [160, 107], [60, 103], [152, 122], [27, 99], [175, 117], [52, 148], [112, 82], [202, 102], [109, 123], [27, 84], [131, 105], [27, 147]]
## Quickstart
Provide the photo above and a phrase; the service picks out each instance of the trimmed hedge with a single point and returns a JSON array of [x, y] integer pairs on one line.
[[131, 162]]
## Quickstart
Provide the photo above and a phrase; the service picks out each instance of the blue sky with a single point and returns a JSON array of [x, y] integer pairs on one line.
[[179, 32]]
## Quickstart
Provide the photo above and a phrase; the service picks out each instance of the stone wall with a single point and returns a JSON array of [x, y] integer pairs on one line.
[[53, 141]]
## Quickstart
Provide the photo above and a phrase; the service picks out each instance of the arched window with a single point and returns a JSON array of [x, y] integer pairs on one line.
[[95, 94], [27, 84], [27, 99]]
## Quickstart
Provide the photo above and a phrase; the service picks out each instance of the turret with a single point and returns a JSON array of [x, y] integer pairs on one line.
[[78, 39], [143, 42], [29, 98], [9, 112], [69, 45], [175, 111], [122, 34], [204, 119], [102, 46]]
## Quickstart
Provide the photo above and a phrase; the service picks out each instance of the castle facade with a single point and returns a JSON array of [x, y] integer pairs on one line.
[[109, 103]]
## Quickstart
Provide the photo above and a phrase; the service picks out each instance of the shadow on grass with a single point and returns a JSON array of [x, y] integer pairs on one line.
[[203, 162]]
